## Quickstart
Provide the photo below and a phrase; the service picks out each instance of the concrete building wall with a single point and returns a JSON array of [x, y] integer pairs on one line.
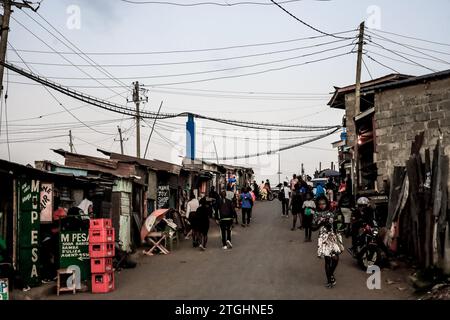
[[401, 114]]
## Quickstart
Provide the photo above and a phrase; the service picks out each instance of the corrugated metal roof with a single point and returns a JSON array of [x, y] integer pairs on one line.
[[337, 102], [410, 81]]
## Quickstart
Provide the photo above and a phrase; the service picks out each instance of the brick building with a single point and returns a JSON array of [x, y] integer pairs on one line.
[[394, 109]]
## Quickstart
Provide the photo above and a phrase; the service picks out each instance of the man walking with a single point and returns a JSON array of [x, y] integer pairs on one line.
[[286, 192], [247, 203], [225, 216]]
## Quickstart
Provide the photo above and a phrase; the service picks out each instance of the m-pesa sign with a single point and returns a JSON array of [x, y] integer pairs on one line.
[[28, 192]]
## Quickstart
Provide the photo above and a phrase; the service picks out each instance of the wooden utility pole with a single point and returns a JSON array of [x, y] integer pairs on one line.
[[7, 10], [70, 141], [358, 104], [136, 100], [121, 139]]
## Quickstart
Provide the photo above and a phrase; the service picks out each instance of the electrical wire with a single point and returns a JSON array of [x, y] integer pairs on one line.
[[51, 48], [60, 103], [307, 24], [269, 152], [376, 61], [374, 45], [187, 50], [402, 56], [209, 3], [367, 69], [413, 38], [207, 71], [186, 61], [127, 111], [80, 54], [409, 46]]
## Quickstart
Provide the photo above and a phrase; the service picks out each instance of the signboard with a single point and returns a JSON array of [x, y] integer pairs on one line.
[[4, 289], [74, 253], [29, 225], [46, 202], [163, 196]]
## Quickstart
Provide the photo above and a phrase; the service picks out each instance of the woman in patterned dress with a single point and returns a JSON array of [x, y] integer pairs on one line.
[[329, 241]]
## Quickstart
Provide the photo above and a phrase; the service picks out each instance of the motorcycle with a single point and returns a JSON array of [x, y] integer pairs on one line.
[[366, 249]]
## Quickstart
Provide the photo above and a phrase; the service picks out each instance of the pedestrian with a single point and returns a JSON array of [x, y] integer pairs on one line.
[[309, 210], [215, 196], [331, 188], [246, 205], [256, 189], [329, 244], [263, 190], [191, 210], [320, 191], [293, 183], [296, 207], [203, 213], [225, 216], [285, 196], [267, 186]]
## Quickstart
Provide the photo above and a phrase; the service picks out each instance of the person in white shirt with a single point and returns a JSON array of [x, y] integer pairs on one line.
[[191, 209], [285, 199]]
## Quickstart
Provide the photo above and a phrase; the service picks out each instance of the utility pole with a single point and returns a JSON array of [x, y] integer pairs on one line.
[[120, 139], [138, 99], [7, 10], [70, 141], [358, 103]]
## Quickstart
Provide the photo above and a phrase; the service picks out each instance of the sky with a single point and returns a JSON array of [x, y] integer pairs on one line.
[[296, 95]]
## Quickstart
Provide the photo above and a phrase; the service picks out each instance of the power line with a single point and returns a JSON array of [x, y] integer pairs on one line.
[[409, 46], [307, 24], [402, 56], [375, 45], [51, 48], [367, 69], [413, 38], [276, 150], [207, 71], [376, 61], [187, 50], [60, 103], [145, 114], [186, 61], [195, 4], [89, 60]]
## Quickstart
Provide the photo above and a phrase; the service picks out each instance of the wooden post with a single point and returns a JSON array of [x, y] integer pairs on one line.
[[357, 110]]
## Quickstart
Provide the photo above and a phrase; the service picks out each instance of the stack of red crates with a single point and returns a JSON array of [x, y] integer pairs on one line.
[[101, 251]]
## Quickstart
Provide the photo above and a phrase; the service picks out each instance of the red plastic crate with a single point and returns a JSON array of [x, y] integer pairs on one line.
[[101, 250], [100, 224], [101, 235], [101, 265], [102, 282]]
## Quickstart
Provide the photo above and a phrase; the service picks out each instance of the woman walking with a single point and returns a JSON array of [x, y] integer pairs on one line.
[[309, 210], [296, 207], [203, 213], [330, 241]]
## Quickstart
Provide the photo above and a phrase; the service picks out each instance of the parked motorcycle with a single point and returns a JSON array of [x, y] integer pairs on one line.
[[366, 248]]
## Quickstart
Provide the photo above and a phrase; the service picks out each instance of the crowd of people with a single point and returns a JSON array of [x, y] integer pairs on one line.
[[327, 209], [223, 208]]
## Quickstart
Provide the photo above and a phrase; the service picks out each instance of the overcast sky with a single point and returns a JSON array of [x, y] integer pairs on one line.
[[112, 26]]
